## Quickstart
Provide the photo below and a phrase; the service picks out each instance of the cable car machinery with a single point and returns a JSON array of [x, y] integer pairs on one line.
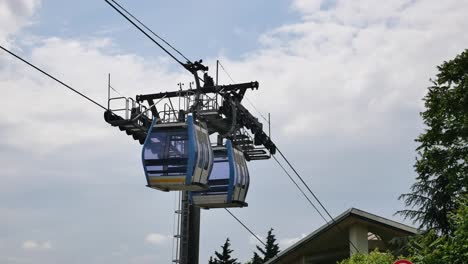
[[202, 110], [221, 113]]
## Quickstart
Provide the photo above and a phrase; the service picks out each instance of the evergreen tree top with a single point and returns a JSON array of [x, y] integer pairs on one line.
[[224, 257], [270, 251], [442, 162]]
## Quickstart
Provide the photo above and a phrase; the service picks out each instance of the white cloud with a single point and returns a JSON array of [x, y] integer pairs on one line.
[[47, 245], [30, 244], [357, 13], [156, 238], [37, 245], [307, 6], [286, 242], [15, 14], [354, 72], [348, 72], [345, 79], [60, 114]]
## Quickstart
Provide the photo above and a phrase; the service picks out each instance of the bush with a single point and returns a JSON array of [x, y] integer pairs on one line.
[[375, 257], [432, 248]]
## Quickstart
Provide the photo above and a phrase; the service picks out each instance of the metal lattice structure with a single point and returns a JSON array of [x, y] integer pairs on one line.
[[219, 107]]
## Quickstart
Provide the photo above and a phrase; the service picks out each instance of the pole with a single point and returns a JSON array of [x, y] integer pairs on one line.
[[108, 93], [194, 235], [217, 69], [269, 126], [190, 232]]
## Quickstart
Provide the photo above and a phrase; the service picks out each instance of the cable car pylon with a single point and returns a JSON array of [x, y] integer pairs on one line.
[[176, 128]]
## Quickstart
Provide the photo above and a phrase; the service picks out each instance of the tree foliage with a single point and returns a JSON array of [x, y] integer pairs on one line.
[[374, 257], [442, 162], [270, 251], [256, 259], [430, 248], [211, 261], [224, 257]]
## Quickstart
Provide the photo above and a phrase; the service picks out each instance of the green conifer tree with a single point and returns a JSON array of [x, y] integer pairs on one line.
[[212, 261], [256, 259], [270, 251], [271, 248], [225, 256]]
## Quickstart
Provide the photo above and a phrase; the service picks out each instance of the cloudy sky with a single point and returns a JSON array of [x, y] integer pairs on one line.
[[343, 81]]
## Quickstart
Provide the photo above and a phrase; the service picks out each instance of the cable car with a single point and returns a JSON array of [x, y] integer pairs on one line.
[[228, 182], [177, 156]]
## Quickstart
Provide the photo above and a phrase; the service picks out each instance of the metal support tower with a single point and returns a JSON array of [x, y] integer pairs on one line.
[[189, 232]]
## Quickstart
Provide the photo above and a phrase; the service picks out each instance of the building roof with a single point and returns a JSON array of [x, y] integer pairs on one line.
[[336, 231]]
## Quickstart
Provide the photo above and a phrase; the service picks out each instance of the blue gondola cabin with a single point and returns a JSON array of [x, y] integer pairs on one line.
[[177, 156], [228, 182]]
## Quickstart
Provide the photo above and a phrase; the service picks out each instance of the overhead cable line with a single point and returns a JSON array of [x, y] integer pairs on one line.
[[258, 111], [144, 32], [284, 169], [101, 106], [250, 102], [303, 182], [315, 197], [52, 77], [248, 229], [227, 73], [290, 165], [300, 189], [297, 174], [115, 90], [152, 39], [147, 28]]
